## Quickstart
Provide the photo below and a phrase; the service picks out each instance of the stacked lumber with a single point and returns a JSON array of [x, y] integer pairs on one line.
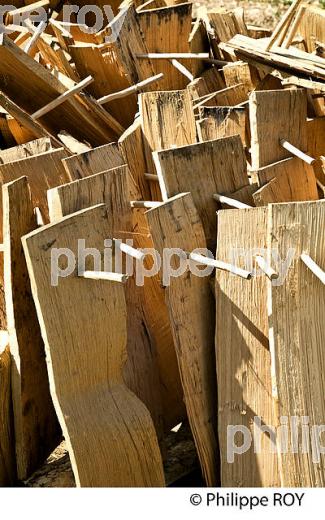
[[163, 253]]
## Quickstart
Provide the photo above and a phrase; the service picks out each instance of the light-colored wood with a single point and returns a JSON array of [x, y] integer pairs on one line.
[[242, 347], [23, 151], [110, 187], [167, 30], [277, 114], [283, 24], [233, 203], [93, 161], [153, 299], [203, 169], [8, 473], [72, 144], [289, 180], [293, 150], [297, 347], [176, 224], [43, 171], [130, 90], [37, 431], [63, 98], [167, 120], [311, 26], [216, 122], [229, 96], [241, 72], [218, 264], [109, 432]]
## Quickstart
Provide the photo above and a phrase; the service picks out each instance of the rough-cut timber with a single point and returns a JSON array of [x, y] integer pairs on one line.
[[216, 122], [275, 115], [242, 349], [297, 331], [110, 434], [203, 169], [97, 160], [111, 188], [176, 224], [37, 431]]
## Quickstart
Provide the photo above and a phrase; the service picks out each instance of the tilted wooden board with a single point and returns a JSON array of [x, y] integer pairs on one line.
[[297, 332], [219, 122], [242, 349], [110, 434], [203, 169], [97, 160], [167, 120], [167, 30], [37, 431], [8, 472], [275, 115], [25, 150], [153, 299], [288, 180], [176, 224], [110, 187]]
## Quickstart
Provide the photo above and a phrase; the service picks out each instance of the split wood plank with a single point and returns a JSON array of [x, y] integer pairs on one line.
[[225, 23], [241, 72], [93, 161], [109, 432], [288, 180], [128, 42], [311, 27], [297, 347], [242, 349], [176, 224], [203, 169], [81, 116], [109, 76], [34, 127], [110, 187], [275, 115], [37, 431], [167, 30], [153, 298], [8, 474], [167, 120], [25, 150], [217, 122]]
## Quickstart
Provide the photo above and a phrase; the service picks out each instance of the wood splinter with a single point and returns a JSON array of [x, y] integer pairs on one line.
[[314, 268], [218, 264], [151, 177], [230, 202], [298, 153], [265, 267], [104, 275]]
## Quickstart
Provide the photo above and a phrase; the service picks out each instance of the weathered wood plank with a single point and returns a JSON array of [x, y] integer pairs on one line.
[[93, 161], [216, 122], [23, 151], [8, 472], [275, 115], [37, 431], [203, 169], [176, 224], [297, 338], [98, 414], [110, 187], [242, 347]]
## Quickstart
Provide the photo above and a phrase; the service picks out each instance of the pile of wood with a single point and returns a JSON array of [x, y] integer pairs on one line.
[[179, 131]]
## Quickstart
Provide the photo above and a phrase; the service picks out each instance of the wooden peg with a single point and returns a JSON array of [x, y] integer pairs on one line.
[[266, 268], [221, 265], [129, 250], [230, 202], [174, 55], [64, 97], [130, 90], [298, 153], [314, 268], [183, 70], [147, 204], [103, 275]]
